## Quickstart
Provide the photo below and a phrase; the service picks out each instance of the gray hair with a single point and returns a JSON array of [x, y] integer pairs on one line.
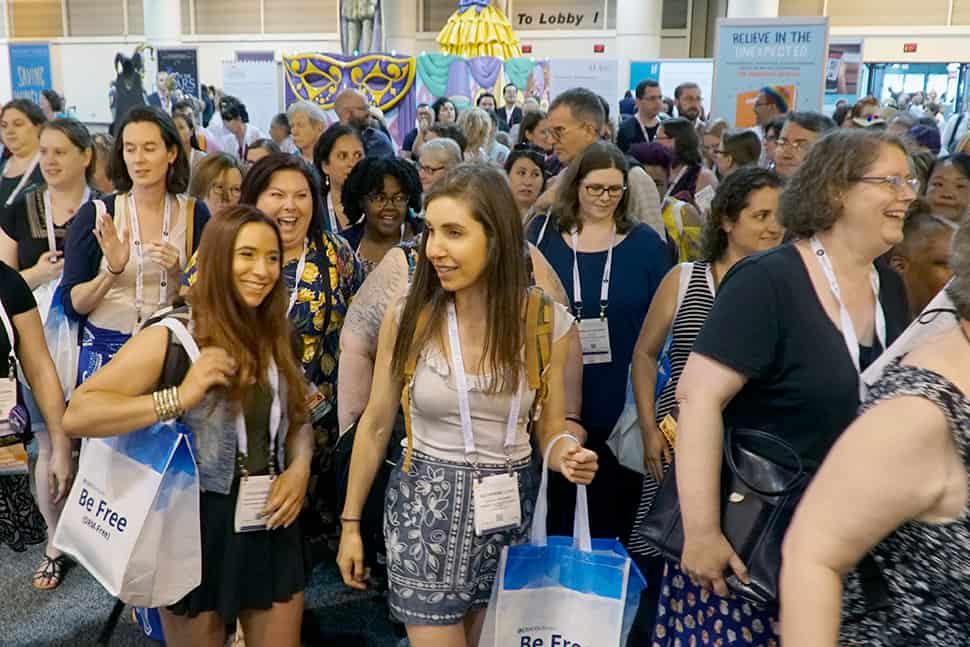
[[311, 110], [958, 289], [444, 149]]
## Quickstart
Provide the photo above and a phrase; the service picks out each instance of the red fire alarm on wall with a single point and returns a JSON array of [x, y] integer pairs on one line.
[[527, 49], [909, 48], [599, 48]]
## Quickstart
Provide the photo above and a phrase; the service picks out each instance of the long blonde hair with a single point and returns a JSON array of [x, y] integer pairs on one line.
[[477, 126]]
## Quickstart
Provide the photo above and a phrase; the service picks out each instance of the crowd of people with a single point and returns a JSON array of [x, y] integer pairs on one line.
[[734, 278]]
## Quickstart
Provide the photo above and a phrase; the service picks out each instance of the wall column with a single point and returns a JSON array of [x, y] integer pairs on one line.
[[752, 9], [637, 37], [401, 26]]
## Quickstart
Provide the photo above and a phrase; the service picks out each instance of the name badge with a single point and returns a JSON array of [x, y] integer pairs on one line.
[[595, 336], [253, 496], [8, 397], [497, 505], [317, 406]]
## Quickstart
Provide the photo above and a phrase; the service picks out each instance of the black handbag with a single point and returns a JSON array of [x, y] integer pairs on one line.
[[759, 493]]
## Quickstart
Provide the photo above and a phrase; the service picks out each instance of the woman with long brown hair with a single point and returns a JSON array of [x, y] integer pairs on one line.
[[246, 372], [458, 345]]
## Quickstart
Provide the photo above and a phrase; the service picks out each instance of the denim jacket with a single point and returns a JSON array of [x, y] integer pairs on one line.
[[213, 425]]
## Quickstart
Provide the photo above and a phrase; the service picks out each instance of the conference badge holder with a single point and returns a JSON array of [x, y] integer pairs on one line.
[[496, 501], [595, 337]]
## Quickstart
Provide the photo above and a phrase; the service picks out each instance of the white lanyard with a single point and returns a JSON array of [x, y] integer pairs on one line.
[[24, 179], [674, 181], [845, 319], [461, 382], [646, 133], [140, 255], [300, 267], [49, 216], [332, 215], [8, 327], [604, 285], [275, 416]]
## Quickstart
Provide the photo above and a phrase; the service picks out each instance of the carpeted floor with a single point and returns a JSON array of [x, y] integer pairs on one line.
[[72, 616]]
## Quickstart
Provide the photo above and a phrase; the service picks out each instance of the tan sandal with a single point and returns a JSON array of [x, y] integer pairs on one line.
[[50, 570]]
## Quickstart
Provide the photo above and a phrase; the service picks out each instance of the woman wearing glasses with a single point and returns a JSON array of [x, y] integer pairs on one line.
[[438, 157], [610, 266], [380, 198], [217, 181], [781, 352]]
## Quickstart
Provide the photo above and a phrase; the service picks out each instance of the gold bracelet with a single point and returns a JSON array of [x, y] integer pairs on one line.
[[173, 409], [176, 402], [159, 409]]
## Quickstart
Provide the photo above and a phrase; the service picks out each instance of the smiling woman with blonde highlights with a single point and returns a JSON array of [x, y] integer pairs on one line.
[[465, 313], [238, 319]]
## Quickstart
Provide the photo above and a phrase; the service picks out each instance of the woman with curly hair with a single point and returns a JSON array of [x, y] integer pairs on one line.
[[781, 352], [380, 198], [743, 221]]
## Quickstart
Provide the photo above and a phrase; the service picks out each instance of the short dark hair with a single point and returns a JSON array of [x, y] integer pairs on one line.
[[774, 126], [583, 104], [814, 121], [810, 202], [177, 178], [267, 145], [54, 99], [483, 95], [325, 144], [368, 176], [232, 108], [528, 125], [29, 108], [920, 222], [689, 85], [452, 132], [643, 85], [508, 85], [841, 113], [439, 104], [596, 156], [182, 105], [283, 121], [732, 197], [79, 135], [259, 176], [742, 145], [686, 147]]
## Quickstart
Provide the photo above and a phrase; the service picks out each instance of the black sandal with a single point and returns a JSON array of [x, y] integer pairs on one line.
[[52, 570]]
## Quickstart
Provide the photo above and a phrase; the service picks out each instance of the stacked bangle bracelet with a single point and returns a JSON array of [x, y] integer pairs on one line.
[[167, 405]]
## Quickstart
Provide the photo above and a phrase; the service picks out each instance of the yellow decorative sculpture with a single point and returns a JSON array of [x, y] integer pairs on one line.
[[384, 79]]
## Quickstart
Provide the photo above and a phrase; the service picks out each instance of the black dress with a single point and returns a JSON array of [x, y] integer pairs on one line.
[[25, 221], [20, 522], [250, 570]]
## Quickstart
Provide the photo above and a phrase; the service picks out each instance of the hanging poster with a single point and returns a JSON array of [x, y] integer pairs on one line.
[[843, 71], [757, 52], [257, 85], [182, 67], [30, 70], [596, 74]]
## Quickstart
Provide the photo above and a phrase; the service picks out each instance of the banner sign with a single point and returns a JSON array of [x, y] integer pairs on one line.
[[182, 65], [843, 72], [753, 53], [596, 74], [30, 70]]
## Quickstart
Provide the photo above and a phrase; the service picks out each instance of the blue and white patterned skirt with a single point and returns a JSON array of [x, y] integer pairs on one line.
[[438, 567]]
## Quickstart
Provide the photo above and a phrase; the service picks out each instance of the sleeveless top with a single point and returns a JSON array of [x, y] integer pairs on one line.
[[687, 324], [926, 565]]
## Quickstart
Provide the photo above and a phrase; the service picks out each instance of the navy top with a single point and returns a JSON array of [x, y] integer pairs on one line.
[[640, 261], [769, 325], [82, 255]]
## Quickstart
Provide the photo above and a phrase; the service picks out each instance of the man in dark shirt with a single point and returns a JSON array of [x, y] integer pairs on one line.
[[644, 125], [510, 114]]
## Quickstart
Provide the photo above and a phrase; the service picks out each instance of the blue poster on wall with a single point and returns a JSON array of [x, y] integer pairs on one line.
[[753, 53], [30, 69]]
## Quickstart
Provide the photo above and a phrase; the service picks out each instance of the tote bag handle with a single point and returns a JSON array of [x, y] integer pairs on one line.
[[581, 534], [182, 333]]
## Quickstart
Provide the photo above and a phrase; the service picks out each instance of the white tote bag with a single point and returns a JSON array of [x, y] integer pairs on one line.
[[132, 517], [562, 590]]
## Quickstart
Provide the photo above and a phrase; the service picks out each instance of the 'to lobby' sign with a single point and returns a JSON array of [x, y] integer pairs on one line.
[[546, 14]]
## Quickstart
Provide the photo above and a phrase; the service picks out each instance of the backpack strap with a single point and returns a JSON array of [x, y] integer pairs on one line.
[[408, 389], [538, 346], [542, 232], [181, 350], [188, 214]]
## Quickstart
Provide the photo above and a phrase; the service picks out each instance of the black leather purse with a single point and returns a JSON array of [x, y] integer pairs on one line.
[[759, 492]]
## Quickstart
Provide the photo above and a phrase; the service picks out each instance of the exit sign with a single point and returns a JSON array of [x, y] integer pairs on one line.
[[527, 49], [599, 48], [909, 48]]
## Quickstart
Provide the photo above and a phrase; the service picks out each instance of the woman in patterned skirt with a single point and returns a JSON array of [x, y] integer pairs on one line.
[[743, 222]]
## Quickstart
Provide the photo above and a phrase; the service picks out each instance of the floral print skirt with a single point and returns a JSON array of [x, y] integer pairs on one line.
[[437, 566], [689, 616]]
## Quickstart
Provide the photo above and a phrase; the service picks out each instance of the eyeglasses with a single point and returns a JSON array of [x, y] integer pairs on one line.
[[221, 191], [597, 190], [763, 103], [720, 151], [558, 132], [798, 147], [380, 200], [430, 170], [895, 181]]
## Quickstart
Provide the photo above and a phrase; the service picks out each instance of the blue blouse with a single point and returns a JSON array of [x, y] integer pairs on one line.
[[640, 261]]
